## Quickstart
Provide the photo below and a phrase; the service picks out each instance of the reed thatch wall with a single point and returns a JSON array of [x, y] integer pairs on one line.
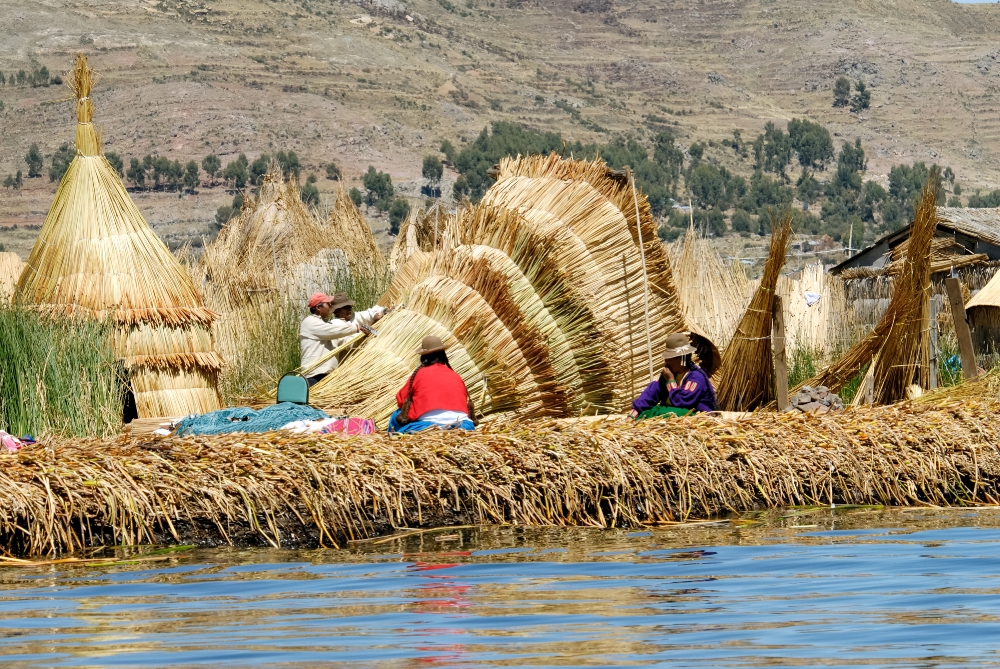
[[310, 490], [10, 271]]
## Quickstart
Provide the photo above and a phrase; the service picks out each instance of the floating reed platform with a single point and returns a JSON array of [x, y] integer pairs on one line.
[[324, 491]]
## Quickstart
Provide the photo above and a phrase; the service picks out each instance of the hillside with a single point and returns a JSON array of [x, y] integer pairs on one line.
[[384, 82]]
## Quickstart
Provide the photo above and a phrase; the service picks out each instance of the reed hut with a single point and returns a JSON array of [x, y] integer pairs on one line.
[[96, 256], [983, 314], [10, 271], [543, 291]]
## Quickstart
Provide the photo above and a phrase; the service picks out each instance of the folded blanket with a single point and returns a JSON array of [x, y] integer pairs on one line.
[[244, 419]]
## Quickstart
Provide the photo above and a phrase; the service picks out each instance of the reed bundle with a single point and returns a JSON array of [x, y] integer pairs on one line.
[[542, 286], [712, 292], [96, 256], [10, 271], [422, 231], [899, 344], [746, 381], [348, 230], [284, 490]]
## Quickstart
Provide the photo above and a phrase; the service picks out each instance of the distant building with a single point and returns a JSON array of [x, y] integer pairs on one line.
[[964, 238]]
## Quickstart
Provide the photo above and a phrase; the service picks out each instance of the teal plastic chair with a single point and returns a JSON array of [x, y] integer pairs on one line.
[[293, 388]]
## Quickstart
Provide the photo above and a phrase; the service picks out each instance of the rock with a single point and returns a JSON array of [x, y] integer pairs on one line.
[[811, 406]]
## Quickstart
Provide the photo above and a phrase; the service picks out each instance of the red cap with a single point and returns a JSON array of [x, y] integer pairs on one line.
[[317, 299]]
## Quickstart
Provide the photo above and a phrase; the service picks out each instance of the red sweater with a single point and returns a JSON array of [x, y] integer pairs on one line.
[[435, 388]]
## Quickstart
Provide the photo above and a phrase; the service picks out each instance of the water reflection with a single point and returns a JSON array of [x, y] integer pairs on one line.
[[912, 587]]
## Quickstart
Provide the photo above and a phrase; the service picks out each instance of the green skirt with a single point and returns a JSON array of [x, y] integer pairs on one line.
[[660, 411]]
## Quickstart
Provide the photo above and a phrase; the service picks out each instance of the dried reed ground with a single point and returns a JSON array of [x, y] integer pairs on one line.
[[282, 490]]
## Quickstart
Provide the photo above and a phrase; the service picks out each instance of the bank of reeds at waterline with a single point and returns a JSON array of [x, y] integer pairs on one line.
[[282, 490]]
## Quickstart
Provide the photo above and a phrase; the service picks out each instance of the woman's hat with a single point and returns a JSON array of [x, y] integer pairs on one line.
[[431, 344], [678, 344], [341, 300]]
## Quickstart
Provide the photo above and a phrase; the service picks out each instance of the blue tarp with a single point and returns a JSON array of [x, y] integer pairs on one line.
[[245, 419]]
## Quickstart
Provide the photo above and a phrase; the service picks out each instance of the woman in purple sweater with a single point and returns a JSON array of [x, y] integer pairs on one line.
[[682, 383]]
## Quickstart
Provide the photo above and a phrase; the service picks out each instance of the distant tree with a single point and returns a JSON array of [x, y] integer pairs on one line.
[[222, 215], [39, 77], [212, 166], [862, 97], [460, 189], [175, 175], [8, 182], [61, 159], [258, 169], [957, 189], [116, 162], [356, 197], [448, 149], [237, 203], [289, 164], [3, 79], [1, 106], [379, 187], [18, 180], [841, 92], [853, 157], [192, 179], [34, 160], [811, 141], [310, 193], [136, 173], [741, 221], [236, 173], [696, 151], [398, 212], [716, 187], [949, 174], [954, 201], [22, 79], [808, 187], [333, 172], [772, 150], [716, 223], [432, 170]]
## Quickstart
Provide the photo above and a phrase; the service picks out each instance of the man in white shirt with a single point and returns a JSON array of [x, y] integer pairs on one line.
[[319, 333]]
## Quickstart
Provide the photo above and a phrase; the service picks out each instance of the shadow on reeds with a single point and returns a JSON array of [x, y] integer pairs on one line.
[[58, 375]]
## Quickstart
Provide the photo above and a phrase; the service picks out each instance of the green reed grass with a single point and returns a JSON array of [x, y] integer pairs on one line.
[[58, 375]]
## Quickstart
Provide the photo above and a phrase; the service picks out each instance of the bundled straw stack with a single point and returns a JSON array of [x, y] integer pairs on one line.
[[898, 349], [349, 231], [538, 290], [713, 294], [422, 231], [747, 378], [10, 271], [96, 256], [256, 252]]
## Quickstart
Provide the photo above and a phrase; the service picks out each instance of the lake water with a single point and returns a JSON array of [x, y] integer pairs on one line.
[[850, 587]]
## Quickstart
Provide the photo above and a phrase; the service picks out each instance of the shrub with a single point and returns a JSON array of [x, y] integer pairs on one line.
[[116, 162], [398, 212], [33, 158], [61, 159], [379, 187], [333, 172], [356, 197], [212, 165]]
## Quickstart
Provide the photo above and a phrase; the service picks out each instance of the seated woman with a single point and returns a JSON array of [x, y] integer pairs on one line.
[[683, 387], [434, 396]]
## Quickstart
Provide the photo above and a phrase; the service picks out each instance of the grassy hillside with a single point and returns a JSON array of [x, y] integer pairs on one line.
[[384, 82]]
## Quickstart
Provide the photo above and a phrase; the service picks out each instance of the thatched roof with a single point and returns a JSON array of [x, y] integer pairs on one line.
[[988, 297], [96, 256]]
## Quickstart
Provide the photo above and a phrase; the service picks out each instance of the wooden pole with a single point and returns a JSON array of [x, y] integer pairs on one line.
[[933, 375], [780, 363], [969, 369], [645, 275]]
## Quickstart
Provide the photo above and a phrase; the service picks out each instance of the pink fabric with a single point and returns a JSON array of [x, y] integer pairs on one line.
[[350, 426]]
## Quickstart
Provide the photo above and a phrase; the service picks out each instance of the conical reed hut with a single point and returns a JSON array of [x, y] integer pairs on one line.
[[543, 291], [899, 347], [10, 270], [96, 256]]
